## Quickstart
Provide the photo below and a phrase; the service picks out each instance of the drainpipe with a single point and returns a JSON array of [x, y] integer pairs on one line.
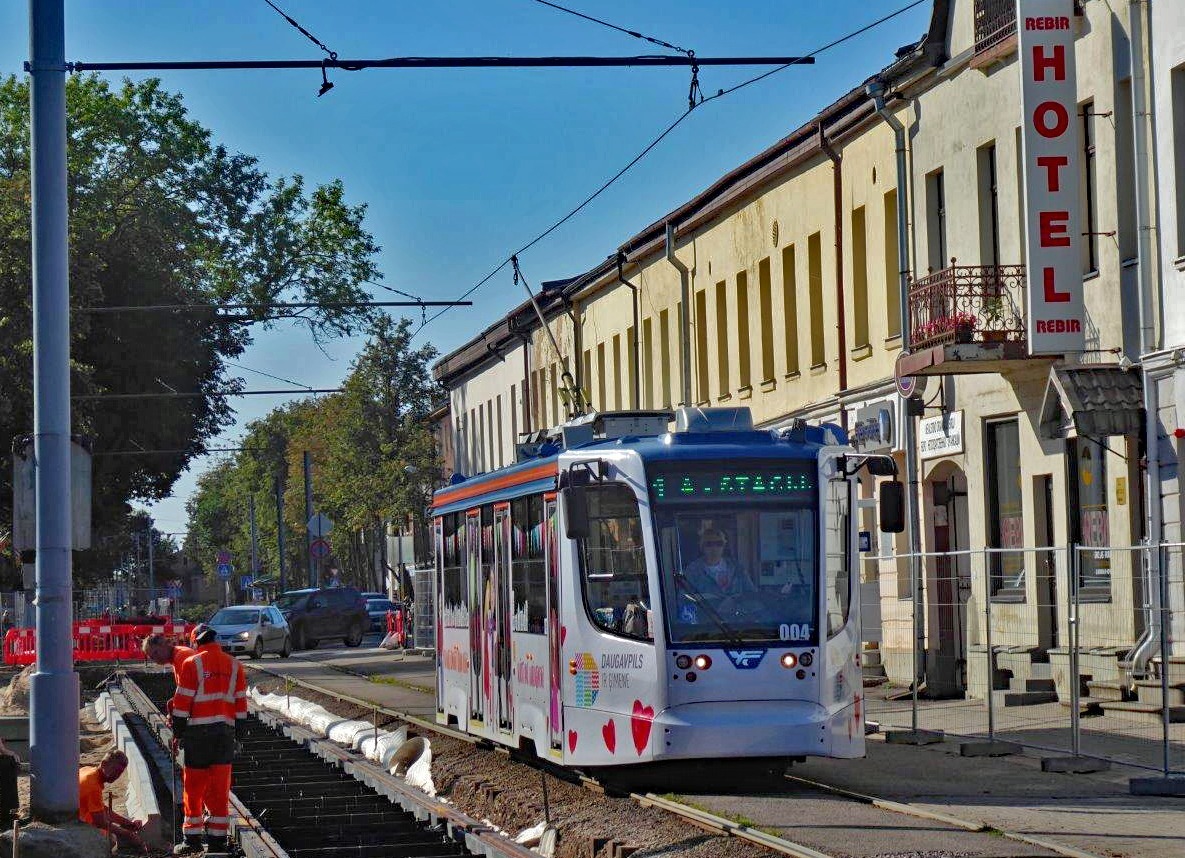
[[685, 332], [635, 396], [840, 309], [1153, 638], [876, 90]]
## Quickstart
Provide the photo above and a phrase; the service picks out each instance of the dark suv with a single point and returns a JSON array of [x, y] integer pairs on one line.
[[327, 613]]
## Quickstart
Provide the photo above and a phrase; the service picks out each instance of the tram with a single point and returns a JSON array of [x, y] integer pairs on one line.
[[626, 595]]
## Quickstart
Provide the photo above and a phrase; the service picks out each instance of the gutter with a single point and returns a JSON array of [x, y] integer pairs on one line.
[[876, 91], [1155, 587], [635, 395], [685, 332], [841, 323]]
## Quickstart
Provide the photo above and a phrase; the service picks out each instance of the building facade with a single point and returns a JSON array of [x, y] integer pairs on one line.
[[780, 288]]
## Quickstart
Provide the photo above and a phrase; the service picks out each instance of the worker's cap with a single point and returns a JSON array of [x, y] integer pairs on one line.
[[203, 634]]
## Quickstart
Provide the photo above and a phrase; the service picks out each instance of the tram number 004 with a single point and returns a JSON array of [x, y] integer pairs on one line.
[[794, 631]]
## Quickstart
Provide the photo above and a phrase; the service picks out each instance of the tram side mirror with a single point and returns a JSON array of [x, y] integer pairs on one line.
[[891, 501], [575, 501], [882, 466]]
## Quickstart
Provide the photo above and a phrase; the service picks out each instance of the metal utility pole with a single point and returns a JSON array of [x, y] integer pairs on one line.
[[151, 570], [308, 516], [280, 533], [53, 716], [254, 539]]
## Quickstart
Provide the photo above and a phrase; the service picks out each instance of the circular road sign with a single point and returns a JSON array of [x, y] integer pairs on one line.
[[319, 548], [224, 570]]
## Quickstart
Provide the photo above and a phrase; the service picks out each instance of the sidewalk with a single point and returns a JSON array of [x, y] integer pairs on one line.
[[1092, 812]]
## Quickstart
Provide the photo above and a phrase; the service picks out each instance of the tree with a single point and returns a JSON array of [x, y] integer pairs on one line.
[[374, 462], [161, 214]]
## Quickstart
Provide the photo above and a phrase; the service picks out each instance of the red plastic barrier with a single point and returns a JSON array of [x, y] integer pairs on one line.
[[95, 641]]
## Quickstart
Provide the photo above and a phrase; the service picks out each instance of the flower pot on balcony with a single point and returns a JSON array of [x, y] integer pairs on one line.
[[963, 334], [994, 336]]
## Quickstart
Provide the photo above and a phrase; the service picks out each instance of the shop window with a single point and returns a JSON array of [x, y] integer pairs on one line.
[[1005, 509], [613, 564], [1090, 506], [528, 570]]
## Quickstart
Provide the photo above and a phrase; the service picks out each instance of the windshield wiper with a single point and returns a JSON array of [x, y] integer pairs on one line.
[[699, 599]]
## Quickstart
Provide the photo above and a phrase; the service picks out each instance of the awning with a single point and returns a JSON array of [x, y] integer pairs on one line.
[[1092, 401]]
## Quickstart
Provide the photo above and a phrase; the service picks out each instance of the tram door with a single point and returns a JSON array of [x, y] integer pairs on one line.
[[476, 633], [555, 630], [502, 616]]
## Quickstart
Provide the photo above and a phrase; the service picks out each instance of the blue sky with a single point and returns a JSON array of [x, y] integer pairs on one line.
[[461, 167]]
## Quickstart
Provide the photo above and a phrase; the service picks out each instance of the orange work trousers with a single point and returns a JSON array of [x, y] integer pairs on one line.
[[206, 801]]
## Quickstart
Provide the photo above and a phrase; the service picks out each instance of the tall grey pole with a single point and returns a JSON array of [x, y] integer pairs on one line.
[[308, 516], [280, 534], [151, 570], [53, 717], [254, 538]]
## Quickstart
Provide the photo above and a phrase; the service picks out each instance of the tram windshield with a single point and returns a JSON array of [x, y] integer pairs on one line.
[[738, 551]]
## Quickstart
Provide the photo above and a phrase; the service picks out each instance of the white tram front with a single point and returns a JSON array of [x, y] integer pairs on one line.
[[632, 595]]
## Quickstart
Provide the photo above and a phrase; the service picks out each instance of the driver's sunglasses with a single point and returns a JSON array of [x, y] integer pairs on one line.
[[714, 544]]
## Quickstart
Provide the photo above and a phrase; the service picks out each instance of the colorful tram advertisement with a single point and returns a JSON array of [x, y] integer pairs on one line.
[[624, 594]]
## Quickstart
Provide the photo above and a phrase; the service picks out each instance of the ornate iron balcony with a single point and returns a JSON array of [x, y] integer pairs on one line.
[[995, 21], [968, 304]]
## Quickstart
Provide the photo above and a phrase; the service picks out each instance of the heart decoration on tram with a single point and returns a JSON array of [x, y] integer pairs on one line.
[[609, 734], [641, 720]]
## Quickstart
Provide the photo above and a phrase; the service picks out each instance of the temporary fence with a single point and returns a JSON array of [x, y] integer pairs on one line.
[[110, 603], [1069, 650], [95, 641]]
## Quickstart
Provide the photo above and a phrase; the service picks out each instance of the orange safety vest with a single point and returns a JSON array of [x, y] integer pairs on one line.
[[181, 654], [212, 688]]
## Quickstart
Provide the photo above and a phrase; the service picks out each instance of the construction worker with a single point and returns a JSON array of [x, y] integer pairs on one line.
[[209, 716], [91, 808], [160, 650]]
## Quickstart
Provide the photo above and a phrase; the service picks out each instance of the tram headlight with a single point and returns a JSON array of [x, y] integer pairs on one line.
[[789, 660], [702, 662], [683, 662]]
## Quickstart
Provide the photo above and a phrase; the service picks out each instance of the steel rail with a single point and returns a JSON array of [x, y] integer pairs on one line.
[[701, 818]]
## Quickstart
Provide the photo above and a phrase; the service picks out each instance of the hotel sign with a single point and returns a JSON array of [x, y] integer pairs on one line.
[[1049, 106]]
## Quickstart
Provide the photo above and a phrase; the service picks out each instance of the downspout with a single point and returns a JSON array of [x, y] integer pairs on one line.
[[876, 90], [1153, 638], [635, 395], [840, 309], [685, 332]]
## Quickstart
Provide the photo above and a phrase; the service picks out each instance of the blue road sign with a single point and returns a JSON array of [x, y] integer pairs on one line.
[[245, 582], [224, 570]]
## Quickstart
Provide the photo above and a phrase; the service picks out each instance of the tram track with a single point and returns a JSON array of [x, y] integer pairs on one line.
[[834, 801]]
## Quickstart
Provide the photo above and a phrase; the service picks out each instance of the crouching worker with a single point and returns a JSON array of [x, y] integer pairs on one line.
[[209, 715], [92, 810]]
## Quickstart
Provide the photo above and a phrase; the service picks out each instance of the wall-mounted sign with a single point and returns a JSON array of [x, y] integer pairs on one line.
[[941, 435], [1049, 108], [872, 431]]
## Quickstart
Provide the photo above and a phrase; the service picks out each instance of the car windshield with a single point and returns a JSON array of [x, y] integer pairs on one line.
[[235, 617], [737, 549], [288, 601], [379, 605]]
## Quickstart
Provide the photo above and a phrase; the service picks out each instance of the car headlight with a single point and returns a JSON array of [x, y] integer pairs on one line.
[[243, 635]]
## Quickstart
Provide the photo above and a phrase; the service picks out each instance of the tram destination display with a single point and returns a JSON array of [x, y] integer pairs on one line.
[[684, 482]]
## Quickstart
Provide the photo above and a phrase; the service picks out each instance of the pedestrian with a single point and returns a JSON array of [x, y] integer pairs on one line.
[[91, 808], [209, 716]]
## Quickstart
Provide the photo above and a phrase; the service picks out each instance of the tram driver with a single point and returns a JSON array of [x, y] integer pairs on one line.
[[714, 574]]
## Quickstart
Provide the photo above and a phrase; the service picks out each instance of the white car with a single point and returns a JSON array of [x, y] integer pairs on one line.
[[252, 630]]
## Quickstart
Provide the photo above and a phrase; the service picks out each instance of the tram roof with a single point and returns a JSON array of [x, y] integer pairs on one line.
[[538, 475]]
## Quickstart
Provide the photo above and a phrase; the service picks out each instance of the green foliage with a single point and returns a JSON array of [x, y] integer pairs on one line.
[[374, 460], [162, 214], [198, 613]]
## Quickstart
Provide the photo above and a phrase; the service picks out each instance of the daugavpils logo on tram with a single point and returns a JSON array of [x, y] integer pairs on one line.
[[745, 659], [588, 678]]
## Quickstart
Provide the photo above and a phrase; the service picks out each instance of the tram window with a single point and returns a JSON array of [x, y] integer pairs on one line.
[[613, 564], [838, 560], [528, 572], [455, 610]]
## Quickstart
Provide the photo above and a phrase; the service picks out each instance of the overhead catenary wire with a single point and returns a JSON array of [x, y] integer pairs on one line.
[[269, 375], [651, 39], [662, 136]]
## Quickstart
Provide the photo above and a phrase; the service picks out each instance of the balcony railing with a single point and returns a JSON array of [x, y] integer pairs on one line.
[[995, 21], [968, 304]]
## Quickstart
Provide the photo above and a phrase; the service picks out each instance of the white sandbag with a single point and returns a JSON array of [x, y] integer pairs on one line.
[[349, 732], [391, 641], [419, 774], [386, 750], [530, 836]]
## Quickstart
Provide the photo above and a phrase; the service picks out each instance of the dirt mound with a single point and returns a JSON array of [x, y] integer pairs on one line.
[[14, 700]]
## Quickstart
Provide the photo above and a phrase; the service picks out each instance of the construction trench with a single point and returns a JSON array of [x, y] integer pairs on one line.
[[299, 796]]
